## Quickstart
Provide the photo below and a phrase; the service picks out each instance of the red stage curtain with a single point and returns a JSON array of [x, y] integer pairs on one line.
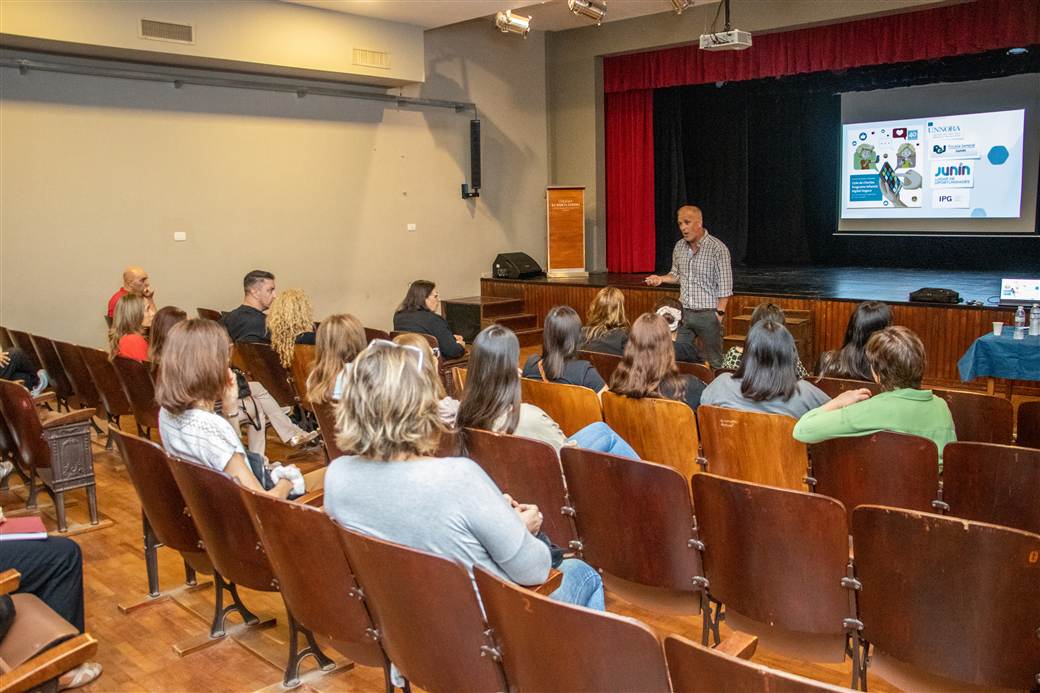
[[972, 27], [630, 180]]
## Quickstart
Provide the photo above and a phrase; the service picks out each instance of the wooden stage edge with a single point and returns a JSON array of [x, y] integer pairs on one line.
[[830, 293]]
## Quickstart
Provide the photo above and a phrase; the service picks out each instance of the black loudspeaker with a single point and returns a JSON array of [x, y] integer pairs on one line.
[[473, 189], [515, 266]]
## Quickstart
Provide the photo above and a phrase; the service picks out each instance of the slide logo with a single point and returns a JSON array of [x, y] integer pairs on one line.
[[944, 132], [957, 198], [952, 174]]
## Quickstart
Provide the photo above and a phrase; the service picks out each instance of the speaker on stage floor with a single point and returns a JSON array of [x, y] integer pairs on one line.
[[515, 266]]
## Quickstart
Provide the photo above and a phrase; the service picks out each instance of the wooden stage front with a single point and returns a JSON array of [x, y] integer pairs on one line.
[[831, 293]]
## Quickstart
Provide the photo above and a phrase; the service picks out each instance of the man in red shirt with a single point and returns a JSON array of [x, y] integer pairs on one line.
[[135, 281]]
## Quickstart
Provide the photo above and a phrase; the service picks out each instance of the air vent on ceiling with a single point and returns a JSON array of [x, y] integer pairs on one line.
[[366, 58], [167, 31]]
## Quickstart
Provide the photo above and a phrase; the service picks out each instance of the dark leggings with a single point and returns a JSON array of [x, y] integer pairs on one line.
[[19, 368], [52, 569]]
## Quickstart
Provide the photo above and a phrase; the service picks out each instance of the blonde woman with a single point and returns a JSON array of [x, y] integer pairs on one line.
[[338, 341], [126, 337], [392, 488], [606, 325], [290, 321], [447, 407]]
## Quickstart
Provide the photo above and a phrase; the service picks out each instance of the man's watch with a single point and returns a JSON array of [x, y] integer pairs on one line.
[[720, 312]]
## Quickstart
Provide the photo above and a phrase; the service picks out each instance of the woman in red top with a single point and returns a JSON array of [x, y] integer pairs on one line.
[[126, 338]]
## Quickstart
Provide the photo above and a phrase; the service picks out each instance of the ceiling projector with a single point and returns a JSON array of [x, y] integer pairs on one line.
[[729, 40]]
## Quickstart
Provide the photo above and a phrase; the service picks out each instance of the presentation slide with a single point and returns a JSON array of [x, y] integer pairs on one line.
[[942, 167]]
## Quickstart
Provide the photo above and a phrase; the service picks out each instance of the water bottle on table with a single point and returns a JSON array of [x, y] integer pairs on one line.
[[1020, 323], [1034, 320]]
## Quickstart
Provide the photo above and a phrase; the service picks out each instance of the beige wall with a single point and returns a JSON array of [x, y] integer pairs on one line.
[[575, 81], [96, 173]]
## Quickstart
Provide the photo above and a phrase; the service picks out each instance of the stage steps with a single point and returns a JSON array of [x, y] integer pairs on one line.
[[470, 314], [798, 322]]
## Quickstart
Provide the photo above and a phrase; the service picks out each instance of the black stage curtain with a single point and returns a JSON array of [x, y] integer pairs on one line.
[[741, 151]]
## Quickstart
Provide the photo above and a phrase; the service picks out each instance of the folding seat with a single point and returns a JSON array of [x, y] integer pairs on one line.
[[110, 390], [753, 446], [136, 378], [660, 430], [979, 418], [573, 407], [993, 483]]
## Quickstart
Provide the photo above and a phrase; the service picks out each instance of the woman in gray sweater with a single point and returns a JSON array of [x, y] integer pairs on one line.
[[393, 488]]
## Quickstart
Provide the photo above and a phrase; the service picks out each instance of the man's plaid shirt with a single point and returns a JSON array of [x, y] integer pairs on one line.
[[705, 276]]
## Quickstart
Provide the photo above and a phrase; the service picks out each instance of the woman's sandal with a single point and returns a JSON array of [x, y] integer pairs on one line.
[[85, 673]]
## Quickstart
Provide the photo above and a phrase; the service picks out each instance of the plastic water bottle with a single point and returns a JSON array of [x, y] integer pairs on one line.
[[1020, 317], [1034, 320]]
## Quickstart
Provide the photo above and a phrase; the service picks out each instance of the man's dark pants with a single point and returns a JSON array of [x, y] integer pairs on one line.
[[704, 324]]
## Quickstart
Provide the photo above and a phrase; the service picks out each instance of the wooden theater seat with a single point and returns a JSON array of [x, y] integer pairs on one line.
[[605, 364], [698, 370], [777, 557], [263, 365], [660, 430], [426, 614], [110, 390], [573, 407], [753, 446], [79, 376], [979, 418], [993, 483], [136, 377], [325, 414], [697, 669], [445, 366], [300, 370], [372, 333], [529, 471], [22, 341], [883, 468], [603, 652], [1029, 424], [458, 379], [59, 380], [210, 314], [835, 386], [950, 597]]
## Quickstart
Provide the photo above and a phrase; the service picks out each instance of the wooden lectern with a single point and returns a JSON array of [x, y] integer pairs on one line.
[[565, 221]]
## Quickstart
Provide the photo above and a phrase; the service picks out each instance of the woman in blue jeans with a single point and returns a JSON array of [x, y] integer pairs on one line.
[[492, 400]]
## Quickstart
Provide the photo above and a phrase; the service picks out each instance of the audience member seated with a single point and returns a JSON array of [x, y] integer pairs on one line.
[[290, 321], [338, 341], [606, 327], [685, 350], [491, 400], [764, 311], [126, 336], [392, 488], [135, 281], [896, 358], [767, 379], [194, 374], [648, 367], [558, 362], [447, 407], [420, 311], [247, 323], [165, 318], [16, 366], [851, 360], [52, 570]]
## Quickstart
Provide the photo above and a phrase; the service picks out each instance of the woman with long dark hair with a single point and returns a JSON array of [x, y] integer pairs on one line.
[[850, 361], [491, 400], [767, 379], [420, 311], [559, 362], [648, 368]]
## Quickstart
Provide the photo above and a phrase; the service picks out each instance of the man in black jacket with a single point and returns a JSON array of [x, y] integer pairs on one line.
[[247, 323]]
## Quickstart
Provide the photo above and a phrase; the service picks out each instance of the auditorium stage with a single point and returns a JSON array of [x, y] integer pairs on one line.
[[829, 293]]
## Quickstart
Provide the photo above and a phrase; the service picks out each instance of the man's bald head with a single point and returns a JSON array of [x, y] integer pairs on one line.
[[692, 209], [691, 223], [135, 280]]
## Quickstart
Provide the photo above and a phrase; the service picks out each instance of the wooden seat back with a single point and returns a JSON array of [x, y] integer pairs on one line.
[[223, 522], [953, 597], [110, 390], [621, 653], [883, 468], [161, 499], [774, 555], [136, 377], [302, 365], [59, 381], [979, 418], [529, 471], [314, 577], [458, 380], [450, 444], [833, 387], [605, 364], [659, 430], [650, 542], [263, 365], [23, 341], [573, 407], [325, 413], [23, 424], [79, 377], [430, 339], [372, 333], [993, 483], [697, 669], [209, 314], [753, 446], [5, 339], [397, 583], [697, 370], [1029, 424]]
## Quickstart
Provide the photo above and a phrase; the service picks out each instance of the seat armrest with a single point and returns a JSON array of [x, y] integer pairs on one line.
[[49, 664], [551, 584], [314, 498], [9, 581], [738, 644], [46, 397], [73, 417]]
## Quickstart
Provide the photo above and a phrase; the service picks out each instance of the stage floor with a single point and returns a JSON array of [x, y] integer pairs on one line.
[[891, 285]]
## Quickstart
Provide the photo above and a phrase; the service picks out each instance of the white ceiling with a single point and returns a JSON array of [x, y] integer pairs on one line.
[[548, 15]]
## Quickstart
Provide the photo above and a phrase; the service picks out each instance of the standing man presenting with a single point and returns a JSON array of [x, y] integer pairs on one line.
[[701, 267]]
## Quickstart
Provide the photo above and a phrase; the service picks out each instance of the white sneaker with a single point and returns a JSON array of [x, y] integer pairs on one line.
[[42, 385], [5, 468]]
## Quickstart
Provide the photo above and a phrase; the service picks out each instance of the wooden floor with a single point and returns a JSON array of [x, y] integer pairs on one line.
[[136, 649]]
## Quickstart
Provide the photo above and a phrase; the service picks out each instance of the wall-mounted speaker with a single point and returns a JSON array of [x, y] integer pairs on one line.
[[473, 189]]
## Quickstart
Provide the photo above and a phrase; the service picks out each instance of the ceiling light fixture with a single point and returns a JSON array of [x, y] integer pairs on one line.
[[681, 5], [589, 8], [509, 23]]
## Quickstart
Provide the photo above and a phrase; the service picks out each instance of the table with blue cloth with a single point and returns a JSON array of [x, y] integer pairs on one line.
[[991, 356]]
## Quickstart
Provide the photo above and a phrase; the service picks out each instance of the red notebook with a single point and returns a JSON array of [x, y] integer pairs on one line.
[[15, 528]]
